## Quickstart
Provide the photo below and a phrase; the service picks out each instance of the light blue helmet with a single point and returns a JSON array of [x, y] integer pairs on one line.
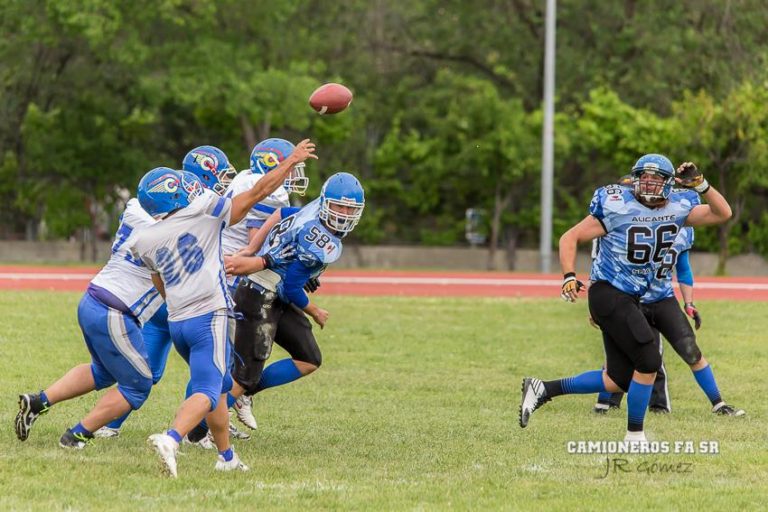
[[212, 166], [341, 191], [268, 154], [653, 192], [163, 190]]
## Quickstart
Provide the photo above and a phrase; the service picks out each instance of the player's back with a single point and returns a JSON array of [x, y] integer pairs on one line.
[[185, 249], [637, 237], [236, 237], [124, 276]]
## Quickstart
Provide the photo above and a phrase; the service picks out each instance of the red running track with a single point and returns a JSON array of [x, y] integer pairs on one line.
[[400, 283]]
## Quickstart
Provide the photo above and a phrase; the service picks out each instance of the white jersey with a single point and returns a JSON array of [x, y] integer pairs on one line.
[[185, 249], [126, 277], [236, 237]]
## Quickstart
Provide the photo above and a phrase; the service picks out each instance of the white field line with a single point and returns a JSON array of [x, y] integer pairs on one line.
[[431, 281]]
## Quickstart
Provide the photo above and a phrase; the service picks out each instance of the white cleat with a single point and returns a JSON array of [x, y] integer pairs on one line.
[[166, 447], [107, 432], [534, 396], [244, 412], [234, 433], [233, 465], [637, 439], [205, 443]]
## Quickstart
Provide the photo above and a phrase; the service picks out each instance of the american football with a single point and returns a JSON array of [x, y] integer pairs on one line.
[[330, 98]]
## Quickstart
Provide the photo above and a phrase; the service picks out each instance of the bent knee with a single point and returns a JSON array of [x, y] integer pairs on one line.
[[137, 392], [650, 362], [689, 350]]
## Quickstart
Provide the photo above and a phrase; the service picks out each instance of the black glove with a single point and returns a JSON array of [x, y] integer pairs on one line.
[[691, 311], [689, 176], [312, 285], [571, 287], [268, 261]]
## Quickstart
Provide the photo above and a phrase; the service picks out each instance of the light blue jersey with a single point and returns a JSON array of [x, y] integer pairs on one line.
[[637, 237], [661, 288], [300, 247]]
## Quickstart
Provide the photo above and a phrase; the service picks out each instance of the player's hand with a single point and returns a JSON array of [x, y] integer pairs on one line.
[[320, 316], [691, 311], [571, 287], [312, 285], [242, 265], [592, 322], [303, 150], [689, 176]]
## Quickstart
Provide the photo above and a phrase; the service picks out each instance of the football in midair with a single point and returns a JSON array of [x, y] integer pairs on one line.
[[330, 98]]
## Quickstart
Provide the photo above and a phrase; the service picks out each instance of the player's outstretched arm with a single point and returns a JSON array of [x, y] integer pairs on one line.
[[258, 239], [269, 183], [716, 211]]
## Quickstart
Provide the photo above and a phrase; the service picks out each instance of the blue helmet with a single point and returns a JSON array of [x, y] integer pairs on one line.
[[268, 154], [342, 200], [212, 166], [163, 190], [656, 191]]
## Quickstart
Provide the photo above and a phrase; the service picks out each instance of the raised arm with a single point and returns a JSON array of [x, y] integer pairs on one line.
[[270, 182], [588, 229], [716, 211]]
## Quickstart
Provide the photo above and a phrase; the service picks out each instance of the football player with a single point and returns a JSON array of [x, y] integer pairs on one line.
[[183, 250], [272, 302], [119, 300], [215, 171], [664, 314], [638, 227]]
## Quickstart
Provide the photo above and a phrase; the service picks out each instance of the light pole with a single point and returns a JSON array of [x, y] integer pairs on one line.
[[547, 136]]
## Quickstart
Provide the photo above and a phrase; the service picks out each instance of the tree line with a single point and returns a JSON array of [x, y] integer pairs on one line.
[[446, 115]]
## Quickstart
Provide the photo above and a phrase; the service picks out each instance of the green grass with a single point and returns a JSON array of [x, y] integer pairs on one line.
[[415, 407]]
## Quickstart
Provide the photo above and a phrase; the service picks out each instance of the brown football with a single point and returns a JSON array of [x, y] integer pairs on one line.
[[330, 98]]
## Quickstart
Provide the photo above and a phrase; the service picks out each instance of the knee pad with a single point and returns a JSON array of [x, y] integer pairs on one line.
[[649, 361], [313, 357], [248, 374], [689, 350], [137, 392], [621, 380]]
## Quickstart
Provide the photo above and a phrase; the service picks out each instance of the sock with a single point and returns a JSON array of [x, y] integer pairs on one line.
[[80, 429], [706, 380], [638, 397], [278, 373], [198, 432], [230, 400], [116, 424], [44, 399], [227, 454], [604, 397], [587, 382], [175, 435]]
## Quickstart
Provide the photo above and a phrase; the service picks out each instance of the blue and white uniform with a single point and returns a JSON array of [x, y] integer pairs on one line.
[[677, 258], [185, 249], [236, 237], [637, 237], [119, 299], [300, 247]]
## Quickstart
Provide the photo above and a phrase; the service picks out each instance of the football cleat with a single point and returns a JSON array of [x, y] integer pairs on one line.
[[234, 433], [603, 408], [636, 439], [724, 409], [534, 396], [107, 432], [74, 441], [232, 465], [166, 447], [206, 443], [656, 409], [30, 408], [244, 412]]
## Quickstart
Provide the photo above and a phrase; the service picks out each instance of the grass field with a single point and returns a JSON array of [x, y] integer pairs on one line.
[[415, 408]]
